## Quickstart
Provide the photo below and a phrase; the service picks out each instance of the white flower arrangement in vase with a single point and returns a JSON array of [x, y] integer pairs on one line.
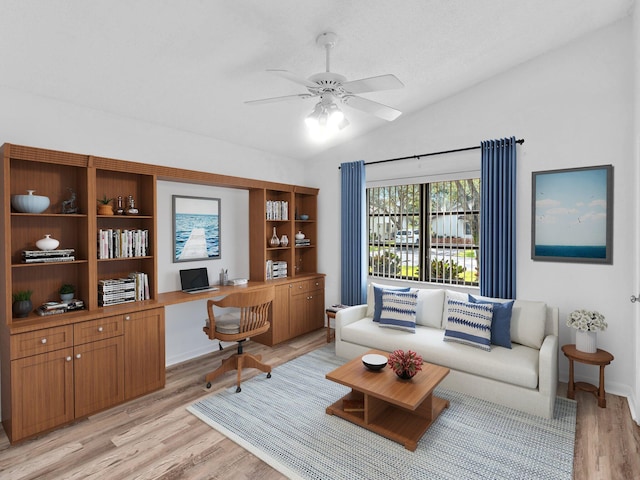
[[586, 320], [587, 323]]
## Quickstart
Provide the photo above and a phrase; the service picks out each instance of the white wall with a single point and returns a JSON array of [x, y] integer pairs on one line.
[[573, 107], [184, 322]]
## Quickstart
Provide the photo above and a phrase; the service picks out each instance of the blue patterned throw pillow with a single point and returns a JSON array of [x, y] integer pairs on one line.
[[501, 322], [469, 323], [399, 310], [377, 297]]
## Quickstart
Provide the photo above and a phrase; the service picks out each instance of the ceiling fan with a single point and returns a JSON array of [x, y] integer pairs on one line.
[[331, 87]]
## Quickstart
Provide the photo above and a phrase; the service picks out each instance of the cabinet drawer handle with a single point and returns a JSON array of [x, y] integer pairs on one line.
[[68, 359], [43, 341], [78, 356], [100, 329], [127, 317]]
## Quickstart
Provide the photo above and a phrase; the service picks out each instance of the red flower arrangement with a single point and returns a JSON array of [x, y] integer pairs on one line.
[[405, 365]]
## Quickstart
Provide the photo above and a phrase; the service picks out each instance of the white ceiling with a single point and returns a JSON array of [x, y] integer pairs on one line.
[[190, 64]]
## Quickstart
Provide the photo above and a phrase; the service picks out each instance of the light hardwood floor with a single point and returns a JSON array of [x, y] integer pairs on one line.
[[155, 437]]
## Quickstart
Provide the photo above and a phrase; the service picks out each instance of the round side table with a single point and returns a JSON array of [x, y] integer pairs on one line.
[[601, 358]]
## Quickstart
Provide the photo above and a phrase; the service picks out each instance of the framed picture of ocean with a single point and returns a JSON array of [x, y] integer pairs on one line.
[[572, 217], [196, 228]]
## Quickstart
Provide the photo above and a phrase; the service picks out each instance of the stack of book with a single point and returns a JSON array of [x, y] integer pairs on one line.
[[276, 269], [116, 291], [53, 308], [47, 256], [304, 242]]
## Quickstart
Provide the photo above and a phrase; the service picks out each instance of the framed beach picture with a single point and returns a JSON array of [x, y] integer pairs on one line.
[[572, 217], [196, 228]]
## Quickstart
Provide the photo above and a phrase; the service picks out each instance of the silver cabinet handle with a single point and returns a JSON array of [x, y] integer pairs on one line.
[[100, 329], [43, 341], [68, 359], [78, 356], [127, 317]]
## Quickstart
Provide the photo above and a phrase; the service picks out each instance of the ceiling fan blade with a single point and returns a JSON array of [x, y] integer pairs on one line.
[[373, 84], [294, 78], [301, 96], [374, 108]]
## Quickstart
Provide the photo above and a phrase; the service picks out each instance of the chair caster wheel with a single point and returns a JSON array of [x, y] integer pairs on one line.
[[238, 390], [208, 384], [269, 375]]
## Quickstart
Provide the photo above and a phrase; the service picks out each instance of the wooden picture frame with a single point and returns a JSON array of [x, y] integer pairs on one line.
[[196, 228], [572, 215]]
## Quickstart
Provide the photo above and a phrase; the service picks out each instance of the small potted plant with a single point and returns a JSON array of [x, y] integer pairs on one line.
[[104, 206], [405, 364], [67, 292], [22, 305]]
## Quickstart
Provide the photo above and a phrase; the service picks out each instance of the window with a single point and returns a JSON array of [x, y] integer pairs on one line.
[[426, 232]]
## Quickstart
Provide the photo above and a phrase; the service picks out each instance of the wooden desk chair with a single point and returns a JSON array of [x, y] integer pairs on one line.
[[252, 320]]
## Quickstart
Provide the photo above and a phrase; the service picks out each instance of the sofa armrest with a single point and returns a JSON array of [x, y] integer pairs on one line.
[[548, 366], [348, 315]]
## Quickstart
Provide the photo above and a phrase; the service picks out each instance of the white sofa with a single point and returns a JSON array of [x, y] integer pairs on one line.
[[524, 377]]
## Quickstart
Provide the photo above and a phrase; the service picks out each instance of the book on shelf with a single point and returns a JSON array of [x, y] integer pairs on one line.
[[63, 252], [55, 308], [277, 210], [122, 243], [49, 259]]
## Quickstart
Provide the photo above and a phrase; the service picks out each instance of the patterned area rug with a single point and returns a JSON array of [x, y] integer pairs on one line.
[[282, 420]]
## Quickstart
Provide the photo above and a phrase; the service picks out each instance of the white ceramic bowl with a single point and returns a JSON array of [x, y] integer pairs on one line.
[[304, 216], [30, 203], [373, 361]]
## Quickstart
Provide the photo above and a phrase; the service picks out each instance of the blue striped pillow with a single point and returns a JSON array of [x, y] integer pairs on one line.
[[399, 310], [469, 323]]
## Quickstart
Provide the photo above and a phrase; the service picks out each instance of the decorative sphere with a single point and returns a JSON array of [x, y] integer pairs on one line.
[[30, 203]]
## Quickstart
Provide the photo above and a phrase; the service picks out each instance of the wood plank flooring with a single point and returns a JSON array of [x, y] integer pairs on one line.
[[154, 437]]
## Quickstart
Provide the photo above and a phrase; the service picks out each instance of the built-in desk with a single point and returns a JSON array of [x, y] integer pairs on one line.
[[298, 307]]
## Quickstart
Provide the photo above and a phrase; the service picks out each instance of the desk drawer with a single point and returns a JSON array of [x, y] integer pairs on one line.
[[97, 329], [41, 341]]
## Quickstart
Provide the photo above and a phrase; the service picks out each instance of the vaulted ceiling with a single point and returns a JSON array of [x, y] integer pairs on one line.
[[190, 64]]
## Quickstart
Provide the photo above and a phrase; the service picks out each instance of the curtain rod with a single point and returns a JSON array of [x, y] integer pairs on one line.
[[477, 147]]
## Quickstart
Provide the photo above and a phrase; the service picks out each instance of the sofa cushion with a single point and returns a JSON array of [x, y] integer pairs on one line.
[[528, 321], [451, 294], [501, 322], [429, 308], [518, 366], [469, 323], [377, 298], [399, 310]]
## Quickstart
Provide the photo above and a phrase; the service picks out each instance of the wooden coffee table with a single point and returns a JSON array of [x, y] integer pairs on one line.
[[401, 410]]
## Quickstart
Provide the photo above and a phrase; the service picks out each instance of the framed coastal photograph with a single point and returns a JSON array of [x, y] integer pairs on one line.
[[196, 228], [572, 217]]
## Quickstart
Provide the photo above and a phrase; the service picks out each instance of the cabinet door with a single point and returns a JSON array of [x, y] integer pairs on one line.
[[280, 314], [41, 392], [299, 309], [316, 310], [144, 364], [99, 375]]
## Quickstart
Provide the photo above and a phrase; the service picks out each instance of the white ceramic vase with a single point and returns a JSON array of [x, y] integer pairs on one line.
[[586, 341], [47, 243]]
